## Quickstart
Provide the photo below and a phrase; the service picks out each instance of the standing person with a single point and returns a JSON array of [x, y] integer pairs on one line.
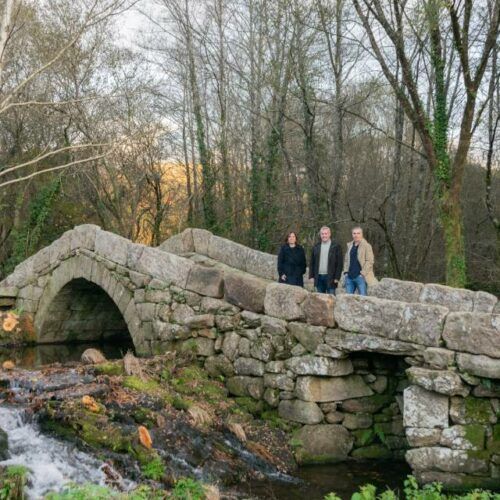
[[292, 261], [326, 263], [358, 264]]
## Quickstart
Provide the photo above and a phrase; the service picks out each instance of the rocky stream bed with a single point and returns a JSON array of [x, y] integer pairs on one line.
[[163, 421]]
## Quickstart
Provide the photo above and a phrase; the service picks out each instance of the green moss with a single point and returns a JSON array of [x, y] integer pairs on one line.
[[193, 380], [83, 492], [494, 441], [381, 418], [144, 416], [374, 451], [475, 433], [12, 482], [188, 489], [363, 437], [110, 369], [479, 454], [180, 404], [477, 410], [275, 421], [137, 384], [250, 405]]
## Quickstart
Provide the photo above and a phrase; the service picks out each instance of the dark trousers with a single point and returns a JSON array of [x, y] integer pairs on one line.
[[322, 285]]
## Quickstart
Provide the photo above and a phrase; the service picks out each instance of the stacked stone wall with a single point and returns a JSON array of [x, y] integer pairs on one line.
[[360, 376]]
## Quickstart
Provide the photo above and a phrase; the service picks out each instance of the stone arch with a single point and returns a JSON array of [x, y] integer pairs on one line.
[[76, 277]]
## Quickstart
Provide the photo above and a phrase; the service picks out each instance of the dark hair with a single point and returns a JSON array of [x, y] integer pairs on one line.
[[296, 237]]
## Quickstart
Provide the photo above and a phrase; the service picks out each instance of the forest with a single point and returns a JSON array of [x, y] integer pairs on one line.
[[252, 118]]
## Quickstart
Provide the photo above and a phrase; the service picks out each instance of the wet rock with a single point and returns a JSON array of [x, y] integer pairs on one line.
[[323, 443], [315, 365], [4, 445], [300, 411], [440, 381], [331, 389], [284, 301], [424, 409]]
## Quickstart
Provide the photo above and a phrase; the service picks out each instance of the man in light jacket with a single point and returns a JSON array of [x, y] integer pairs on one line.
[[358, 264]]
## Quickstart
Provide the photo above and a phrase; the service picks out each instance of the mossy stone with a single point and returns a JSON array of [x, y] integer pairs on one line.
[[373, 451]]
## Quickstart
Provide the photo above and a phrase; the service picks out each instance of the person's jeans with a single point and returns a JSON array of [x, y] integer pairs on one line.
[[358, 283], [322, 285]]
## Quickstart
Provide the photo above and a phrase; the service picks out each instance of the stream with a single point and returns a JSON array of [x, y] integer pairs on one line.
[[54, 463]]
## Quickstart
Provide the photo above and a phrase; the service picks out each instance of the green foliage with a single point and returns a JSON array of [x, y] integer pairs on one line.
[[28, 237], [412, 491], [83, 492], [155, 469], [137, 384], [188, 489], [12, 482]]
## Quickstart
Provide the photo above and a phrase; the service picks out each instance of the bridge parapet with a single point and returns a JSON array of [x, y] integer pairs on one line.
[[363, 377]]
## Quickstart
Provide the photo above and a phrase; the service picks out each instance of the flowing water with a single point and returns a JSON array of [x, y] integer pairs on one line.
[[53, 464]]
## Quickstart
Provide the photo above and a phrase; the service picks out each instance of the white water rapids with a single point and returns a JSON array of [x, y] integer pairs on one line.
[[53, 464]]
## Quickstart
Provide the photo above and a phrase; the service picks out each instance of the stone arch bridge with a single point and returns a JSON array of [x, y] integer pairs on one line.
[[411, 371]]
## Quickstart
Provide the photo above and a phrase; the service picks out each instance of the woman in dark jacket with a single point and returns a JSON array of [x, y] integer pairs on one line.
[[292, 262]]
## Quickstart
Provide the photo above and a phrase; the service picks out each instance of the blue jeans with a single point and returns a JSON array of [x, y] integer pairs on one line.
[[322, 285], [358, 283]]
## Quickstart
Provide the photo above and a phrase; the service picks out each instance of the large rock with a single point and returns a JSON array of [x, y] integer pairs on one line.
[[249, 366], [369, 315], [369, 404], [279, 381], [112, 247], [201, 240], [421, 436], [455, 299], [477, 333], [219, 365], [422, 324], [261, 264], [424, 409], [318, 309], [284, 301], [228, 252], [309, 336], [246, 386], [472, 410], [179, 243], [164, 266], [322, 444], [437, 357], [300, 411], [322, 390], [206, 281], [484, 302], [441, 381], [392, 289], [316, 365], [464, 437], [446, 460], [230, 345], [482, 366], [353, 342], [244, 290]]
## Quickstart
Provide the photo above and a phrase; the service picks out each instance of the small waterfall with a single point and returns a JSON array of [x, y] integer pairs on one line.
[[53, 464]]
